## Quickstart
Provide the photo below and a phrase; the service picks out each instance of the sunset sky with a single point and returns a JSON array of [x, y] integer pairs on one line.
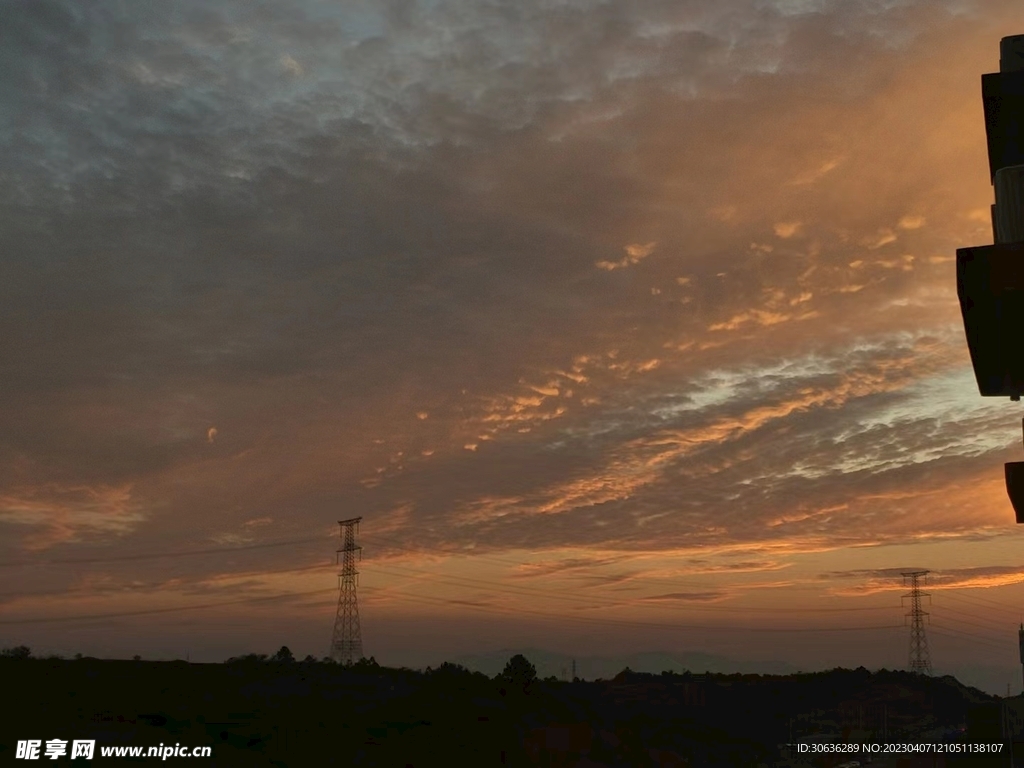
[[625, 325]]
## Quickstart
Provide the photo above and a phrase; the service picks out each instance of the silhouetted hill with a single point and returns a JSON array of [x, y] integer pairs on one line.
[[277, 711], [549, 663]]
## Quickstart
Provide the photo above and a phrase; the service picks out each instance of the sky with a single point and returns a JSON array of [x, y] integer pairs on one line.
[[624, 326]]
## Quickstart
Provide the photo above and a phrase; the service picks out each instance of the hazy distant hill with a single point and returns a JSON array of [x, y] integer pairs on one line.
[[549, 663], [989, 678]]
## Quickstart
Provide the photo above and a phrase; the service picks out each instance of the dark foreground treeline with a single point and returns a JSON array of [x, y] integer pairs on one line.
[[259, 711]]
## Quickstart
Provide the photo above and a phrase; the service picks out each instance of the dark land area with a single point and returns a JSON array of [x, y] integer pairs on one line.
[[277, 711]]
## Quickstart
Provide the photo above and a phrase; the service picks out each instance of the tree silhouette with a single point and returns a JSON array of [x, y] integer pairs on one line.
[[283, 655], [249, 658], [519, 671], [448, 668]]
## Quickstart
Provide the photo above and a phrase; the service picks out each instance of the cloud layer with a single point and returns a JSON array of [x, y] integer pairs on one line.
[[578, 278]]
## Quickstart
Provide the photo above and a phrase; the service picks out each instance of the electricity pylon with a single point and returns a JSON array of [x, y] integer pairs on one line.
[[1020, 642], [347, 642], [920, 659]]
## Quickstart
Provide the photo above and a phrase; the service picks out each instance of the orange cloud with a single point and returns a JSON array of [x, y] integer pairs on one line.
[[61, 513], [787, 229], [634, 255]]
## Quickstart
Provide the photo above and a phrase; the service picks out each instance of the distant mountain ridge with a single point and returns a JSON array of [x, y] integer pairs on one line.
[[989, 678], [549, 663]]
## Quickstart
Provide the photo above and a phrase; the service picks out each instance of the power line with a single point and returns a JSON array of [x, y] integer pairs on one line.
[[959, 634], [638, 623], [403, 547], [487, 558], [967, 633], [514, 589], [993, 603], [952, 614], [205, 551], [575, 593], [133, 588], [433, 600], [172, 609], [956, 599], [531, 592], [442, 601], [491, 558], [152, 555]]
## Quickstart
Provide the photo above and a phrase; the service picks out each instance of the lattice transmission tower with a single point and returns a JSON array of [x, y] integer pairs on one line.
[[920, 659], [347, 642], [1020, 643]]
